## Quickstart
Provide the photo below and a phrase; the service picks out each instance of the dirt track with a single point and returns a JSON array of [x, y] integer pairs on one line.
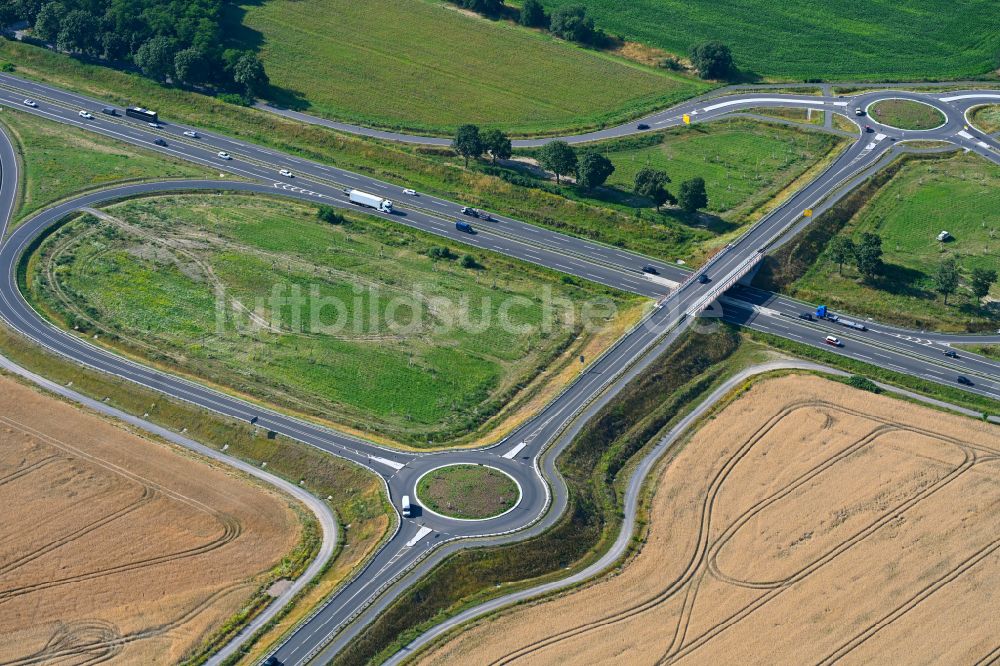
[[808, 523], [115, 549]]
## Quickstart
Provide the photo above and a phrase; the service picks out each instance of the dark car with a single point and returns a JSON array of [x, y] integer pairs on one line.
[[868, 128], [464, 226], [642, 126], [272, 661], [109, 111], [806, 315], [650, 269], [964, 381], [703, 278], [160, 142], [951, 353]]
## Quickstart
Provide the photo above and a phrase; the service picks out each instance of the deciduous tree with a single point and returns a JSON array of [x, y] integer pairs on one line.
[[467, 142], [946, 278], [593, 171], [692, 195], [981, 281], [868, 255], [841, 250], [497, 144], [652, 183], [713, 60], [558, 157]]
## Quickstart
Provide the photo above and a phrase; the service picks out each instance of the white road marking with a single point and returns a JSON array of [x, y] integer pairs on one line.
[[514, 451], [660, 280], [385, 461], [965, 135], [758, 100], [975, 96], [421, 533]]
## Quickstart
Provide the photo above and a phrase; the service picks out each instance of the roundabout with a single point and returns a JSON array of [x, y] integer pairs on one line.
[[467, 492], [906, 114]]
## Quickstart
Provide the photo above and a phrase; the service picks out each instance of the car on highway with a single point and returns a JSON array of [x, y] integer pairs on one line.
[[154, 125], [109, 111], [286, 173], [464, 226], [192, 134], [30, 102], [859, 111], [950, 353], [410, 192], [160, 142], [806, 315], [868, 128], [965, 381], [832, 340], [703, 279], [642, 126], [272, 661], [86, 114], [223, 155], [650, 269]]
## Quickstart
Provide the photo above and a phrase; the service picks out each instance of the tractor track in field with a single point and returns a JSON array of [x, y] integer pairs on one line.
[[703, 560]]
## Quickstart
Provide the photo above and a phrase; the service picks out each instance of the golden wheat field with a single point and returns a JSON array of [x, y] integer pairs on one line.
[[808, 522], [116, 549]]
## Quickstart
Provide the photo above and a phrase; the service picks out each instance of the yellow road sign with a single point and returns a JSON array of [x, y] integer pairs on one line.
[[687, 119], [807, 212]]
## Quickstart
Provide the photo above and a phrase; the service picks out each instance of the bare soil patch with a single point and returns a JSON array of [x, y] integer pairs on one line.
[[117, 549], [809, 522]]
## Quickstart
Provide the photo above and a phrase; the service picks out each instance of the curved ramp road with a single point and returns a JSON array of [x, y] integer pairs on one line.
[[528, 453]]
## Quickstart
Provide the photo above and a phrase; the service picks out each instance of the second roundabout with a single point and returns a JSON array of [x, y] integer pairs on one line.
[[467, 492]]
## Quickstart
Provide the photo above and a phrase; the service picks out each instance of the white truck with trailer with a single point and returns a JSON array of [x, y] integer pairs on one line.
[[370, 200]]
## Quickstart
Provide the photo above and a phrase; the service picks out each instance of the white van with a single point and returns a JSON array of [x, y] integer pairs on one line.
[[406, 506]]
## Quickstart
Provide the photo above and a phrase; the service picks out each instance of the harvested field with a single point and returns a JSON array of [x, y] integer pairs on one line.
[[809, 522], [116, 549]]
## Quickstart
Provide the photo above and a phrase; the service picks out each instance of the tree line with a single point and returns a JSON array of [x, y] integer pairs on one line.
[[590, 168], [712, 59], [179, 41]]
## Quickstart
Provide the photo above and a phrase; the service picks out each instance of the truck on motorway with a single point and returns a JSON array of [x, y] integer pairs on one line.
[[370, 201], [405, 506], [141, 114]]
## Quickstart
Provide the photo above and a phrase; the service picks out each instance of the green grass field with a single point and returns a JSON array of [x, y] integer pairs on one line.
[[881, 40], [467, 491], [960, 195], [906, 114], [58, 161], [744, 163], [355, 323], [422, 65], [987, 118]]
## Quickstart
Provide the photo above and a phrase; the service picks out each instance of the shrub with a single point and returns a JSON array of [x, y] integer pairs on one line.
[[330, 215], [233, 98], [441, 252], [863, 383]]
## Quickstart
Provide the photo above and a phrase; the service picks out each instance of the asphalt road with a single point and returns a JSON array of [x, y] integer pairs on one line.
[[526, 454]]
